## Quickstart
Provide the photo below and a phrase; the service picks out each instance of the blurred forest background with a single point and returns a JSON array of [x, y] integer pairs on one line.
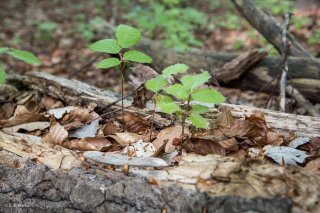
[[59, 31]]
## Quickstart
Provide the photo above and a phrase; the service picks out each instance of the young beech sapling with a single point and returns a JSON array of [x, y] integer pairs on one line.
[[126, 37], [188, 92], [25, 56]]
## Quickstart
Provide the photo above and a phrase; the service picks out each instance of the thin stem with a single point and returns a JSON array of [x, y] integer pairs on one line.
[[122, 66], [152, 120], [184, 115]]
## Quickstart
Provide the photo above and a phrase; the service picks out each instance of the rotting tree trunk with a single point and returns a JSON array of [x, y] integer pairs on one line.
[[268, 27], [36, 188], [304, 72], [92, 189], [75, 92]]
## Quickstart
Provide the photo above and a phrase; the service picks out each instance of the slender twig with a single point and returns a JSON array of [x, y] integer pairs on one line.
[[122, 67], [184, 115], [284, 66], [152, 120]]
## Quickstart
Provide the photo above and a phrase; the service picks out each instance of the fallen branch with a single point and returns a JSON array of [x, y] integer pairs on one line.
[[268, 27], [75, 92]]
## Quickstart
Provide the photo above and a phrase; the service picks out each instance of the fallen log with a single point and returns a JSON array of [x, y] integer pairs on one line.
[[268, 27], [76, 92], [201, 183], [304, 72]]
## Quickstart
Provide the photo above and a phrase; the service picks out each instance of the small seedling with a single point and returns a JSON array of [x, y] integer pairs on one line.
[[158, 83], [22, 55], [188, 92], [126, 37]]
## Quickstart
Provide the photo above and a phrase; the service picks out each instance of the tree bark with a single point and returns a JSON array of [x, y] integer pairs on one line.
[[304, 73], [269, 28]]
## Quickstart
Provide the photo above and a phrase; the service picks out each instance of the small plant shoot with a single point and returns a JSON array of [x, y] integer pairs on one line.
[[188, 93], [125, 37], [22, 55]]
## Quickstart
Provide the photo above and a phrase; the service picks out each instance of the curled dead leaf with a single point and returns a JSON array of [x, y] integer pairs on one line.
[[88, 144], [22, 115], [57, 134]]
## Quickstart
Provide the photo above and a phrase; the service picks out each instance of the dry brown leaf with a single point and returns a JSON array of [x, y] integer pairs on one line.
[[229, 144], [22, 115], [240, 154], [204, 147], [57, 134], [225, 119], [88, 144], [125, 138], [79, 114], [141, 97], [7, 110], [313, 165], [136, 124], [110, 128], [313, 146], [168, 135], [50, 103], [28, 127]]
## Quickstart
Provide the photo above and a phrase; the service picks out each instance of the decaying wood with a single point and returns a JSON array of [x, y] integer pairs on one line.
[[267, 25], [75, 92], [304, 72], [36, 188]]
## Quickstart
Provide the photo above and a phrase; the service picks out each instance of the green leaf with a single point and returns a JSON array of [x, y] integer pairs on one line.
[[25, 56], [2, 75], [127, 36], [175, 69], [198, 121], [106, 46], [197, 108], [156, 84], [178, 91], [137, 56], [194, 81], [208, 95], [109, 62], [166, 104], [3, 49]]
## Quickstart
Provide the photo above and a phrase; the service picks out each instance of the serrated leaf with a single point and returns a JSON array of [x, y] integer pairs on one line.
[[286, 155], [198, 121], [166, 104], [197, 108], [106, 46], [156, 84], [175, 69], [208, 95], [2, 75], [178, 91], [127, 36], [109, 62], [25, 56], [194, 81], [3, 49], [137, 56]]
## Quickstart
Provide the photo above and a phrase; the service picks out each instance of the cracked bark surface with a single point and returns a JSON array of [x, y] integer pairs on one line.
[[35, 188]]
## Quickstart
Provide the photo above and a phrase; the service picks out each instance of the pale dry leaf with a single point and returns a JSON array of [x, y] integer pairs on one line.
[[168, 135], [28, 127], [58, 113], [86, 131], [88, 144], [125, 138], [298, 142], [57, 134], [286, 155]]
